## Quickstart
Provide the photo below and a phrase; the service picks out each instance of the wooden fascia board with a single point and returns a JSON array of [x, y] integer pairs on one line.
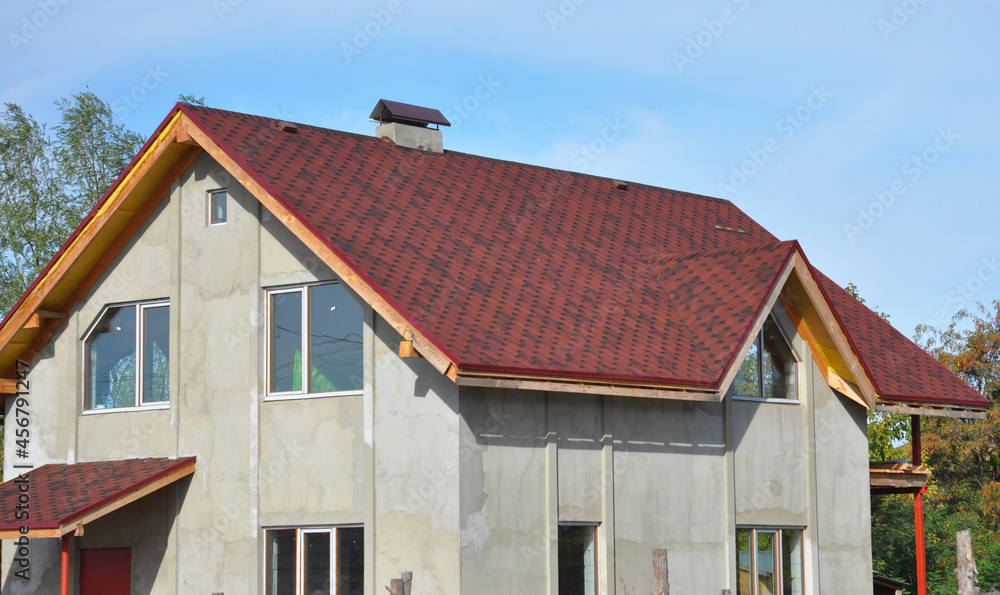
[[833, 380], [31, 534], [765, 311], [74, 524], [581, 387], [57, 271], [866, 389], [441, 362], [932, 412]]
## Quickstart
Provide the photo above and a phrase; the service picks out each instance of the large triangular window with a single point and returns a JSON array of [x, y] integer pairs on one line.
[[768, 371]]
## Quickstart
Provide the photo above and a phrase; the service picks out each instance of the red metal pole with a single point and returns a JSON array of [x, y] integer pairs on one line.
[[918, 509], [64, 574]]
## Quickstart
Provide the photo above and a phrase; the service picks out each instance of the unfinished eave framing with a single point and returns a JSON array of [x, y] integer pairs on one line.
[[897, 477]]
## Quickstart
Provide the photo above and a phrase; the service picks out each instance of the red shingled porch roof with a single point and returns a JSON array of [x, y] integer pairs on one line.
[[61, 497]]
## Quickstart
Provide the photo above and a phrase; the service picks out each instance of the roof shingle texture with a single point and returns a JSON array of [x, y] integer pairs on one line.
[[60, 493], [518, 268]]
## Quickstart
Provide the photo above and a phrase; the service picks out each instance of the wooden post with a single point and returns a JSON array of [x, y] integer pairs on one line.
[[918, 508], [660, 574], [395, 587], [966, 564]]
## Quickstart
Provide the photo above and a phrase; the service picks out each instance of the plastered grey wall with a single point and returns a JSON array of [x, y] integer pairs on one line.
[[260, 463], [416, 470], [661, 475], [648, 473]]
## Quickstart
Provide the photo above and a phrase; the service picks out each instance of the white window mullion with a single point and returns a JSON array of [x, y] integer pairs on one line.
[[139, 331], [305, 340]]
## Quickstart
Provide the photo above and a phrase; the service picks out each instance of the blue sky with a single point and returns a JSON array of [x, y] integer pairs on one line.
[[867, 130]]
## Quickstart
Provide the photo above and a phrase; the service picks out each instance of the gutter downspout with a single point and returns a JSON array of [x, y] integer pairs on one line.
[[918, 509], [64, 572]]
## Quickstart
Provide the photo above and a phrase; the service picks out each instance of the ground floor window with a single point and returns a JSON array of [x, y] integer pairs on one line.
[[315, 561], [769, 561], [577, 560]]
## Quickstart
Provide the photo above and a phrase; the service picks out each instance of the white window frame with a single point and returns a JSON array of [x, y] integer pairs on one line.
[[302, 290], [300, 553], [760, 375], [211, 214], [779, 554], [140, 331]]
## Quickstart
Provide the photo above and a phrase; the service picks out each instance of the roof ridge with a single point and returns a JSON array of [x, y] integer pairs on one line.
[[475, 156]]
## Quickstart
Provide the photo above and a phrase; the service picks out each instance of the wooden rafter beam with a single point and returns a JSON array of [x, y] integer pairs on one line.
[[932, 412], [589, 388]]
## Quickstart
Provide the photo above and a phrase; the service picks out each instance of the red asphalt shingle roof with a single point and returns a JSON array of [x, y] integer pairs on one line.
[[59, 494], [512, 267]]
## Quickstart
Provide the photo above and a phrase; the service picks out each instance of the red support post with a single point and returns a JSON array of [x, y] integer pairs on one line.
[[64, 570], [918, 508]]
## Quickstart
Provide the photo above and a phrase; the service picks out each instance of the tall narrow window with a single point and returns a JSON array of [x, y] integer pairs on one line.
[[314, 340], [217, 207], [127, 357], [769, 561], [577, 560], [319, 561], [768, 370]]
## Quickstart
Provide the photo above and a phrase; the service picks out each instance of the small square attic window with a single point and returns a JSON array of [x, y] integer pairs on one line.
[[217, 207]]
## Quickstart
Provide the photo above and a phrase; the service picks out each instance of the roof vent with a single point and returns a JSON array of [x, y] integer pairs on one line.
[[619, 184], [407, 125]]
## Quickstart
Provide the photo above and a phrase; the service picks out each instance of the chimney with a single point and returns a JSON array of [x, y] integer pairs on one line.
[[407, 125]]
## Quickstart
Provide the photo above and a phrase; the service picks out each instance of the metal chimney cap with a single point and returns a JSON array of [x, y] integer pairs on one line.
[[387, 111]]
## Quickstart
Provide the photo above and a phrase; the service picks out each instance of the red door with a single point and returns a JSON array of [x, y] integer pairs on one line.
[[106, 572]]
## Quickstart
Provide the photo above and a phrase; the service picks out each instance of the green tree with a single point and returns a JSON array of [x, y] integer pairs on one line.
[[191, 99], [48, 184], [91, 150]]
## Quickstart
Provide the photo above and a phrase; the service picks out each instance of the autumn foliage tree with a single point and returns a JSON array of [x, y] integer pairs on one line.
[[964, 458]]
